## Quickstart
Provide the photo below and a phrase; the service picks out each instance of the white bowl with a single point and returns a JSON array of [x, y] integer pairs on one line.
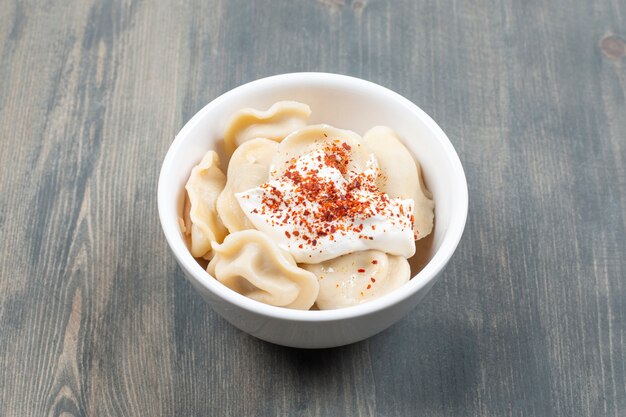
[[347, 103]]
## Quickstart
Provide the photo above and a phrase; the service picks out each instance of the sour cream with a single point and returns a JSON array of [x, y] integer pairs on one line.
[[318, 210]]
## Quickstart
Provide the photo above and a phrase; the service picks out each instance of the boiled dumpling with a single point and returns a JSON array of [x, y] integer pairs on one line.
[[248, 168], [358, 277], [315, 137], [250, 263], [275, 123], [184, 222], [401, 176], [205, 184]]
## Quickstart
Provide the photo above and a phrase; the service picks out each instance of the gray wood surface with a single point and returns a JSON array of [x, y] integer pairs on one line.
[[528, 320]]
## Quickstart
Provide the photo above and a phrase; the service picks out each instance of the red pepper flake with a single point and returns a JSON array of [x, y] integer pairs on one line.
[[369, 286], [287, 234], [375, 262], [300, 245], [336, 209], [361, 270], [372, 279]]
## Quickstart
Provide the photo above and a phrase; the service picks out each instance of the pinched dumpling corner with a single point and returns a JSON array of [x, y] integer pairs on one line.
[[205, 184], [248, 168], [276, 123], [402, 176], [250, 263], [358, 277], [308, 216]]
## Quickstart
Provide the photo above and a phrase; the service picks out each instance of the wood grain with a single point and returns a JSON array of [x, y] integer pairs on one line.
[[530, 317]]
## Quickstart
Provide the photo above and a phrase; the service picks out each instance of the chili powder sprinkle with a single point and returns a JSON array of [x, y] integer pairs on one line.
[[319, 206]]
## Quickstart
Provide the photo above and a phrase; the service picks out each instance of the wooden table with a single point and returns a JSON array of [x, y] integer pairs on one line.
[[529, 319]]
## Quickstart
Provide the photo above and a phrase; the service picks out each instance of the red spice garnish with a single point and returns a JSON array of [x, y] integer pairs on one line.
[[372, 279], [287, 234], [318, 207], [369, 286], [361, 270], [375, 262]]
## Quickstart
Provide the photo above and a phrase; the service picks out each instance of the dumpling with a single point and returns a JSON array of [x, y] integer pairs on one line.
[[401, 176], [358, 277], [248, 168], [205, 184], [275, 123], [315, 137], [250, 263], [184, 222]]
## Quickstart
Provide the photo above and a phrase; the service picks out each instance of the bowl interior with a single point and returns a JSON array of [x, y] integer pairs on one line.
[[343, 102]]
